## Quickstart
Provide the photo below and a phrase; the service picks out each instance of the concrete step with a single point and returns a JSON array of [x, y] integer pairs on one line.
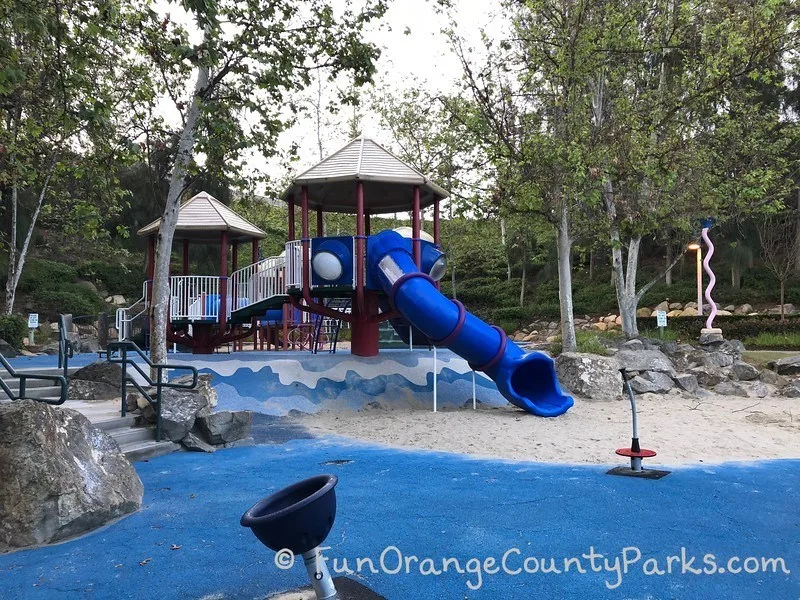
[[137, 443], [129, 435], [118, 423], [144, 450], [36, 392], [13, 383], [40, 371]]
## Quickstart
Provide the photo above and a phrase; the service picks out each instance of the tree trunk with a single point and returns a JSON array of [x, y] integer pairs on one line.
[[160, 299], [783, 310], [591, 264], [564, 251], [522, 283], [505, 248], [736, 276], [11, 289], [16, 259], [625, 282], [668, 274], [624, 279]]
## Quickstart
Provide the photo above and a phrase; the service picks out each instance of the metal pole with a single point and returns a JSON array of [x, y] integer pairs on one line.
[[124, 384], [474, 399], [434, 378], [699, 282], [636, 461], [321, 579], [410, 337], [158, 405]]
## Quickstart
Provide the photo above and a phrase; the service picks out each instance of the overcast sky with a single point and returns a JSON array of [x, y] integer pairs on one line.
[[413, 50]]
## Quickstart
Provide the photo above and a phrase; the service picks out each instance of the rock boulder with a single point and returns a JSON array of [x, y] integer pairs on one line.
[[7, 349], [744, 371], [91, 391], [653, 382], [225, 427], [100, 371], [61, 476], [646, 360], [589, 375], [687, 382], [786, 366]]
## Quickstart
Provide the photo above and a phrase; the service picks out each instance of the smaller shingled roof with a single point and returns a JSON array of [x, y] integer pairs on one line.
[[388, 181], [202, 215]]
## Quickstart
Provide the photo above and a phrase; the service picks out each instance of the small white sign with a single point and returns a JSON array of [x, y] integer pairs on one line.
[[33, 320], [661, 318]]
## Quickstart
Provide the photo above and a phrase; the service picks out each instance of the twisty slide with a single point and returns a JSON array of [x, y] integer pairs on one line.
[[526, 380]]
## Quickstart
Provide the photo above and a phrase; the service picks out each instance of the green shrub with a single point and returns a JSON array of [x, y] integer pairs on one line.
[[774, 341], [520, 315], [734, 327], [116, 278], [69, 298], [13, 329], [593, 298], [549, 310], [588, 341], [40, 275]]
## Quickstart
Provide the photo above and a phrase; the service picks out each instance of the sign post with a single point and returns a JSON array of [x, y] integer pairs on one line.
[[33, 323], [661, 321]]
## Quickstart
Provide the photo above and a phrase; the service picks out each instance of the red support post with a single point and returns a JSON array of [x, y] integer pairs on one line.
[[436, 233], [436, 239], [320, 224], [234, 268], [310, 304], [254, 323], [185, 257], [365, 329], [415, 229], [360, 248], [223, 279], [291, 218]]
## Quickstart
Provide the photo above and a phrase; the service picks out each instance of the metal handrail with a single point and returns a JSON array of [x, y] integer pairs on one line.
[[122, 349], [23, 378], [65, 349]]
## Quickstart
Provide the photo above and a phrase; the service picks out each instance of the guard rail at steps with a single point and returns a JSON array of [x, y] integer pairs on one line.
[[118, 354], [24, 377]]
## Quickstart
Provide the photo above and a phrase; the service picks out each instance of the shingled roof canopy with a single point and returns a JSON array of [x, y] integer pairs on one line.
[[388, 181], [202, 217]]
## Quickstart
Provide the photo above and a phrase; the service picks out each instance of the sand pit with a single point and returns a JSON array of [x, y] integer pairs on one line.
[[681, 429]]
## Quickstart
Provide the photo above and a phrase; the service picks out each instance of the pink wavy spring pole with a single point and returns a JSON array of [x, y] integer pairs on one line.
[[711, 278]]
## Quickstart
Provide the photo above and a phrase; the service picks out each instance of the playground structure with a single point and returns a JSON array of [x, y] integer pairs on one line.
[[206, 311], [362, 279]]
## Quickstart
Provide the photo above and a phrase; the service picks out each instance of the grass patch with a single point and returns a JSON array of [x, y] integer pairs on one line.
[[588, 341], [773, 341], [655, 333]]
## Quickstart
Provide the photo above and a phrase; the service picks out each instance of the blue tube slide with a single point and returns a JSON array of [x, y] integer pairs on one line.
[[526, 380]]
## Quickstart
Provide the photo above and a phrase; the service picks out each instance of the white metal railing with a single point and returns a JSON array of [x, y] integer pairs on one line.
[[258, 281], [294, 264], [124, 318], [194, 297]]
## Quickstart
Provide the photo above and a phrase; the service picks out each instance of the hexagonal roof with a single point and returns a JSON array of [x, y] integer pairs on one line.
[[388, 181], [201, 215]]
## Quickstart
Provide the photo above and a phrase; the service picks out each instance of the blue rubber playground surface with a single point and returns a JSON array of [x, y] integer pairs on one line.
[[700, 533]]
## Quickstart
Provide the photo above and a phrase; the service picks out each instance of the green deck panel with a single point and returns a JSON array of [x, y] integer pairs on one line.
[[257, 309], [326, 292]]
